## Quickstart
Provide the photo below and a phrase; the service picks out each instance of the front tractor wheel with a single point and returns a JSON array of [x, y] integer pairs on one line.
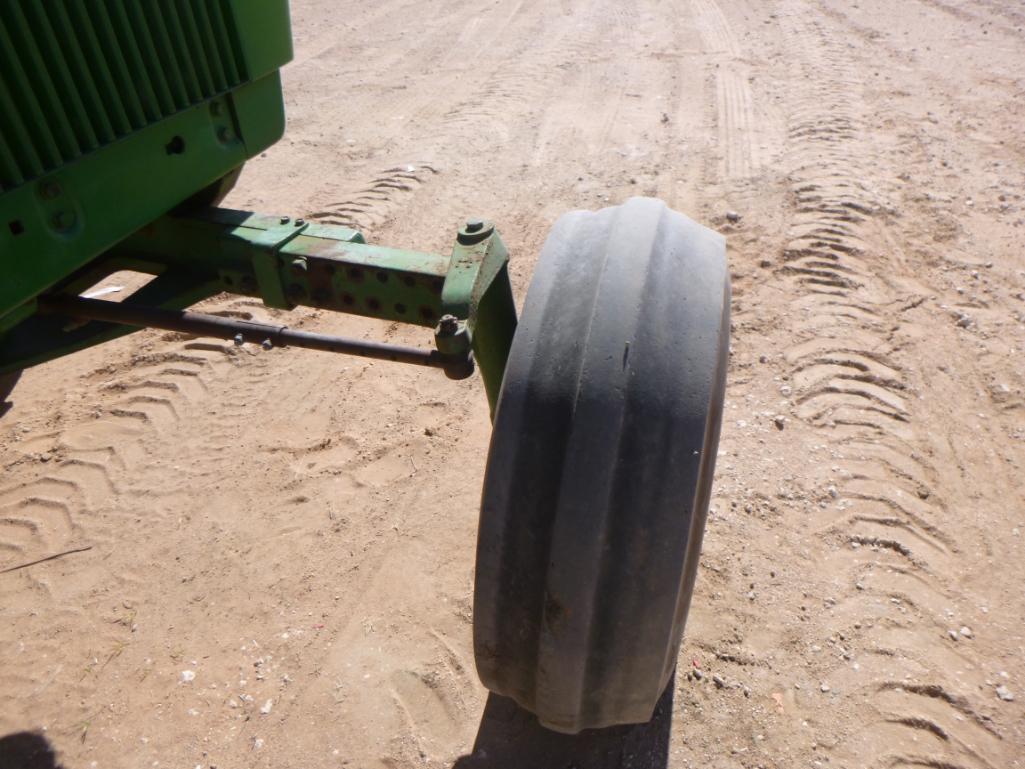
[[600, 467]]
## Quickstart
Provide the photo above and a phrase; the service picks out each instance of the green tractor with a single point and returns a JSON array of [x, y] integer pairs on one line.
[[123, 125]]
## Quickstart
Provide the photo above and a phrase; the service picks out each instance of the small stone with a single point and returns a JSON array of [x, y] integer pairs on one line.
[[966, 632], [785, 391], [953, 635], [765, 263], [733, 217], [267, 707], [832, 490], [719, 681], [698, 674], [964, 321], [779, 421], [1005, 694], [763, 358], [188, 676], [751, 595], [824, 688]]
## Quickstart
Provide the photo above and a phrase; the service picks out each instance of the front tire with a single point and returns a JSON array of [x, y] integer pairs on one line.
[[600, 467]]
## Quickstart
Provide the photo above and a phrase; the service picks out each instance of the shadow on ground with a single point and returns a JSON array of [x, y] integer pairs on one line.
[[511, 738], [27, 750], [7, 382]]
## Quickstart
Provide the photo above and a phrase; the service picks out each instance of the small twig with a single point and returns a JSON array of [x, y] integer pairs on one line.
[[48, 558]]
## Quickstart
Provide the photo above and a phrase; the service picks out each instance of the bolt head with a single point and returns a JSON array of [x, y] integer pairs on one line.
[[239, 340], [266, 344], [63, 220], [285, 219], [474, 225], [448, 324], [50, 190]]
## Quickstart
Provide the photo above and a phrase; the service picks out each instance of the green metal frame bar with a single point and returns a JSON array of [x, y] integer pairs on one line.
[[466, 298]]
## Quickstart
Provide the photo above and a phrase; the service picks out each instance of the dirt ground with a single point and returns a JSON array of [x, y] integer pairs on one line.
[[280, 544]]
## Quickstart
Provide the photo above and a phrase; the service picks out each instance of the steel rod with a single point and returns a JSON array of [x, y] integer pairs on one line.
[[199, 324]]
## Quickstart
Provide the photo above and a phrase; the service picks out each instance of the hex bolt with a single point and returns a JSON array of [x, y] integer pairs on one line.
[[474, 225], [448, 325], [64, 220], [239, 340], [300, 222], [225, 134], [266, 344], [50, 190], [299, 266], [285, 219]]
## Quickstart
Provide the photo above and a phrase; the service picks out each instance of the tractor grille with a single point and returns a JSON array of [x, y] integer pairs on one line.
[[76, 75]]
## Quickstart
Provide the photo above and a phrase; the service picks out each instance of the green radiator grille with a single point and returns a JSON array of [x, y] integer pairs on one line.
[[76, 75]]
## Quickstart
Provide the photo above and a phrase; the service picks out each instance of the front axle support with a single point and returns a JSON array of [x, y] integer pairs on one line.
[[465, 298]]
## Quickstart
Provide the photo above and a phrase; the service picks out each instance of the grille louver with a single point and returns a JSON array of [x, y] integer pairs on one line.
[[76, 75]]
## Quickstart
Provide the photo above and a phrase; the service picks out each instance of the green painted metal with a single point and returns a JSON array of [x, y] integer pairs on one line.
[[477, 290], [288, 263], [113, 113]]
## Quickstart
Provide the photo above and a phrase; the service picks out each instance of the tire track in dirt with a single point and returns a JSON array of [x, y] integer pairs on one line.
[[371, 205], [77, 473], [735, 116], [507, 80], [103, 471], [999, 15], [884, 522]]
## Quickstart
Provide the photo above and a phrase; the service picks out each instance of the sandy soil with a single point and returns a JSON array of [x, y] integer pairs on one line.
[[280, 559]]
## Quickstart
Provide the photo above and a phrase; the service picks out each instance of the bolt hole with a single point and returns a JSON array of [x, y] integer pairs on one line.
[[228, 281], [356, 274], [348, 300], [382, 276], [373, 304], [176, 146], [436, 286], [17, 228], [400, 308], [409, 281], [427, 313]]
